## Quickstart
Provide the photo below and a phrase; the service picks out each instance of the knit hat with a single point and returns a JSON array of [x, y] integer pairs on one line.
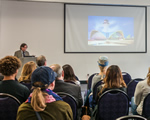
[[103, 61], [43, 74]]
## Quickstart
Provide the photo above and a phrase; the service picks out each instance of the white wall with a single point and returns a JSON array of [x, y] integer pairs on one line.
[[41, 26]]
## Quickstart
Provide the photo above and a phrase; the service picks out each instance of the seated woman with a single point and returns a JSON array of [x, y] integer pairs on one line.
[[102, 64], [43, 101], [141, 91], [112, 80], [26, 72], [69, 75]]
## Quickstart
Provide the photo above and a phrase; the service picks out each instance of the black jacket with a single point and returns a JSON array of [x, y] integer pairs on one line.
[[72, 89]]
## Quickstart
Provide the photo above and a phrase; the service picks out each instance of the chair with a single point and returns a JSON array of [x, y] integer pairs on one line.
[[76, 78], [146, 106], [131, 117], [112, 104], [126, 77], [27, 83], [90, 81], [131, 87], [71, 101], [95, 89], [8, 106]]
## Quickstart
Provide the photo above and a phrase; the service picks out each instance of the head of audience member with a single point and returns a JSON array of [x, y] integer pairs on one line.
[[148, 77], [103, 63], [9, 66], [58, 70], [27, 70], [68, 73], [41, 60], [113, 78], [23, 46], [42, 78]]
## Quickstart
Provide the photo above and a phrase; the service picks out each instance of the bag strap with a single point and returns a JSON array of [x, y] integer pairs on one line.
[[38, 115]]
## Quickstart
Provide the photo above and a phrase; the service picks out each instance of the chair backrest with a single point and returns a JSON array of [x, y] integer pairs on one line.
[[131, 87], [146, 106], [90, 81], [112, 104], [28, 85], [8, 106], [95, 89], [126, 77], [131, 117], [71, 101], [76, 78]]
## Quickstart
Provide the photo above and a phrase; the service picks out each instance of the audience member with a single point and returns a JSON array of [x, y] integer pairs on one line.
[[141, 91], [9, 66], [61, 86], [102, 63], [43, 101], [41, 60], [112, 80], [26, 72], [22, 52], [69, 75]]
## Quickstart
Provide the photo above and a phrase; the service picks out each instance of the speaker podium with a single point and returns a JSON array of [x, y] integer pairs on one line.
[[24, 60]]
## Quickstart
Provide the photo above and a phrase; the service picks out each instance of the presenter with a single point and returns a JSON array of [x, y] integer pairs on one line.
[[22, 52]]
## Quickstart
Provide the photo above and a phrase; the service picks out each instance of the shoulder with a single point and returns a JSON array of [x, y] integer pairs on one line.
[[61, 105], [142, 83], [21, 86], [26, 51], [18, 51], [97, 77]]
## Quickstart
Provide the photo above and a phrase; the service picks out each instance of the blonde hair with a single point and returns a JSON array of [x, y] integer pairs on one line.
[[38, 97], [148, 77], [27, 70]]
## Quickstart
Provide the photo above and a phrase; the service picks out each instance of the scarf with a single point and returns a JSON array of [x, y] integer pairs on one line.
[[50, 98]]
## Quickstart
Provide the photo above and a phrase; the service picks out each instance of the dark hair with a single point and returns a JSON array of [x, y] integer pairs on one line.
[[68, 73], [113, 78], [22, 45], [9, 65], [40, 61]]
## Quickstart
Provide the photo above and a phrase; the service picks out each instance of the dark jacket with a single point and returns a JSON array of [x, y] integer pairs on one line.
[[72, 89]]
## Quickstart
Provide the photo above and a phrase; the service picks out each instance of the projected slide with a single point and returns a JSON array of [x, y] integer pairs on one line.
[[105, 29], [110, 31]]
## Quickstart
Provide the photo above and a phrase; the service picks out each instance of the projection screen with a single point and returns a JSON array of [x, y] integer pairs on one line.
[[104, 29]]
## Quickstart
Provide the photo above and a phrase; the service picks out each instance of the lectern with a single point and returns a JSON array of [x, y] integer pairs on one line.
[[24, 60]]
